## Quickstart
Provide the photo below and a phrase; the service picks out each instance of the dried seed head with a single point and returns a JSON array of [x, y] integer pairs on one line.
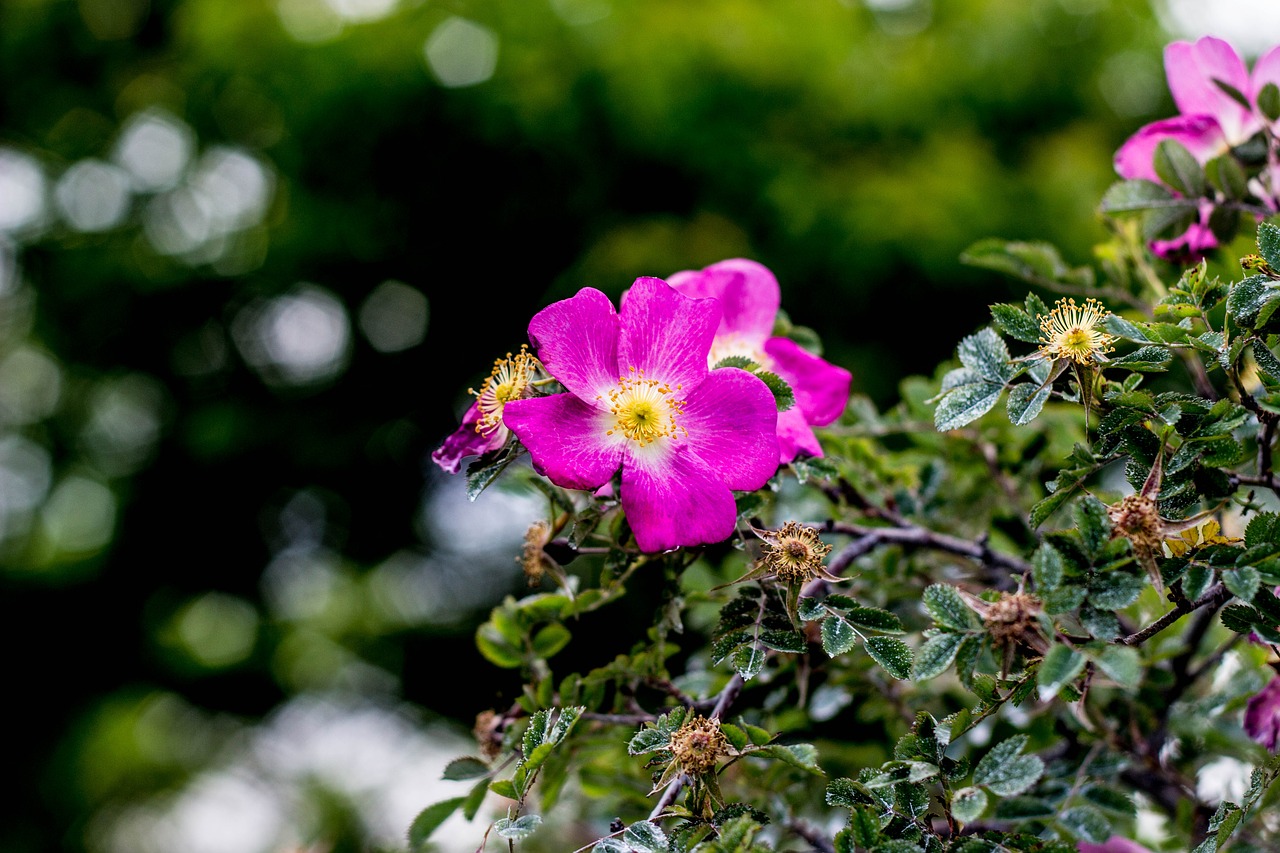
[[1137, 519], [698, 744], [794, 552], [533, 559], [1011, 616], [488, 734]]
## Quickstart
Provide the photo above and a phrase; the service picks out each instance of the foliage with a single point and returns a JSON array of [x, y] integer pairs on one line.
[[1022, 637]]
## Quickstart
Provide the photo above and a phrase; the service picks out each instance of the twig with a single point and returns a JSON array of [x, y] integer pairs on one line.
[[920, 537], [1216, 594]]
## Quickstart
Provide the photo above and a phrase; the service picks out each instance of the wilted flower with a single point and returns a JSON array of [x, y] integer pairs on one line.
[[1071, 331], [1010, 621], [1262, 715], [698, 745], [793, 552], [641, 398], [750, 297], [482, 428]]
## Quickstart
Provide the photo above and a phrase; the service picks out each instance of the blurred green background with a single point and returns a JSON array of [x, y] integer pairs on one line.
[[253, 252]]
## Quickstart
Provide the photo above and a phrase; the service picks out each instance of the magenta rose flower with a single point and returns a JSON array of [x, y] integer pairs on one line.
[[1262, 715], [641, 399], [1114, 844], [750, 297], [1210, 122]]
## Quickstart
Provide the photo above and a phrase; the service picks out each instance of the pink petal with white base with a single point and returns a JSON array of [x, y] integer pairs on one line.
[[748, 291], [566, 439], [679, 504], [665, 334], [795, 436], [465, 441], [576, 340], [1192, 69], [731, 423]]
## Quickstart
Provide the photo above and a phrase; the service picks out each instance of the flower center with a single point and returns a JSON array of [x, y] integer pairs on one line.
[[1071, 331], [645, 409], [509, 380]]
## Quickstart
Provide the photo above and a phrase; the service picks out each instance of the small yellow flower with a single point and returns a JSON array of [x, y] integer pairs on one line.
[[1071, 331], [509, 380]]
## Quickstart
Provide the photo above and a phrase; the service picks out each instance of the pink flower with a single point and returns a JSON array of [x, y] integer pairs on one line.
[[1262, 715], [482, 428], [750, 296], [1114, 844], [641, 398], [1210, 123]]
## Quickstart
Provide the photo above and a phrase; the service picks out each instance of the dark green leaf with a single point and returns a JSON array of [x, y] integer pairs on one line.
[[1087, 823], [1243, 582], [1060, 666], [1269, 239], [1178, 168], [1225, 174], [965, 404], [1115, 590], [1026, 401], [985, 353], [968, 804], [1135, 196], [875, 619], [465, 768], [892, 654], [1269, 101], [521, 827], [1015, 322], [645, 837], [837, 636], [947, 607], [429, 820], [1046, 568], [1094, 525], [1248, 297], [936, 655], [1122, 664], [1005, 771]]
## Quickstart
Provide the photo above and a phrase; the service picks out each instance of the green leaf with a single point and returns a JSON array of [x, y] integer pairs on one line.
[[1016, 323], [1150, 359], [1225, 174], [1269, 102], [1115, 589], [802, 755], [985, 353], [1026, 401], [611, 845], [936, 655], [1178, 168], [495, 648], [964, 404], [783, 397], [1048, 506], [838, 636], [1094, 525], [484, 470], [1035, 262], [748, 661], [892, 654], [645, 837], [1269, 243], [1248, 297], [1087, 823], [1059, 668], [1122, 328], [1136, 196], [504, 788], [1122, 664], [648, 740], [864, 826], [1064, 599], [1111, 800], [947, 607], [1243, 582], [968, 804], [465, 768], [521, 827], [550, 639], [846, 793], [875, 619], [429, 820], [1005, 771], [1047, 568], [784, 641]]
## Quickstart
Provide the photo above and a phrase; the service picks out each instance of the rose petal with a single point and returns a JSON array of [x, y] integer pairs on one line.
[[795, 436], [748, 291], [821, 388], [680, 503], [732, 421], [1191, 70], [465, 441], [1201, 134], [566, 438], [576, 339], [665, 333]]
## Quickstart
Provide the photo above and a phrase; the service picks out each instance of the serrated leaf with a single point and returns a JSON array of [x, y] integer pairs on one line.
[[1015, 322], [429, 820], [1248, 297], [1005, 771], [875, 619], [864, 826], [947, 607], [965, 404], [784, 641], [648, 740], [968, 804], [811, 609], [936, 655], [1047, 506], [783, 397], [748, 661], [1026, 401], [985, 353], [1115, 589], [1047, 568], [611, 845], [838, 636], [1149, 359], [1060, 666], [1122, 328], [1094, 525], [892, 654], [1269, 243], [521, 827], [1243, 582], [802, 755], [645, 837], [845, 793]]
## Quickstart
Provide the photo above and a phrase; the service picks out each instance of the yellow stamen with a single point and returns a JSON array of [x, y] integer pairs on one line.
[[645, 409], [508, 381], [1070, 331]]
